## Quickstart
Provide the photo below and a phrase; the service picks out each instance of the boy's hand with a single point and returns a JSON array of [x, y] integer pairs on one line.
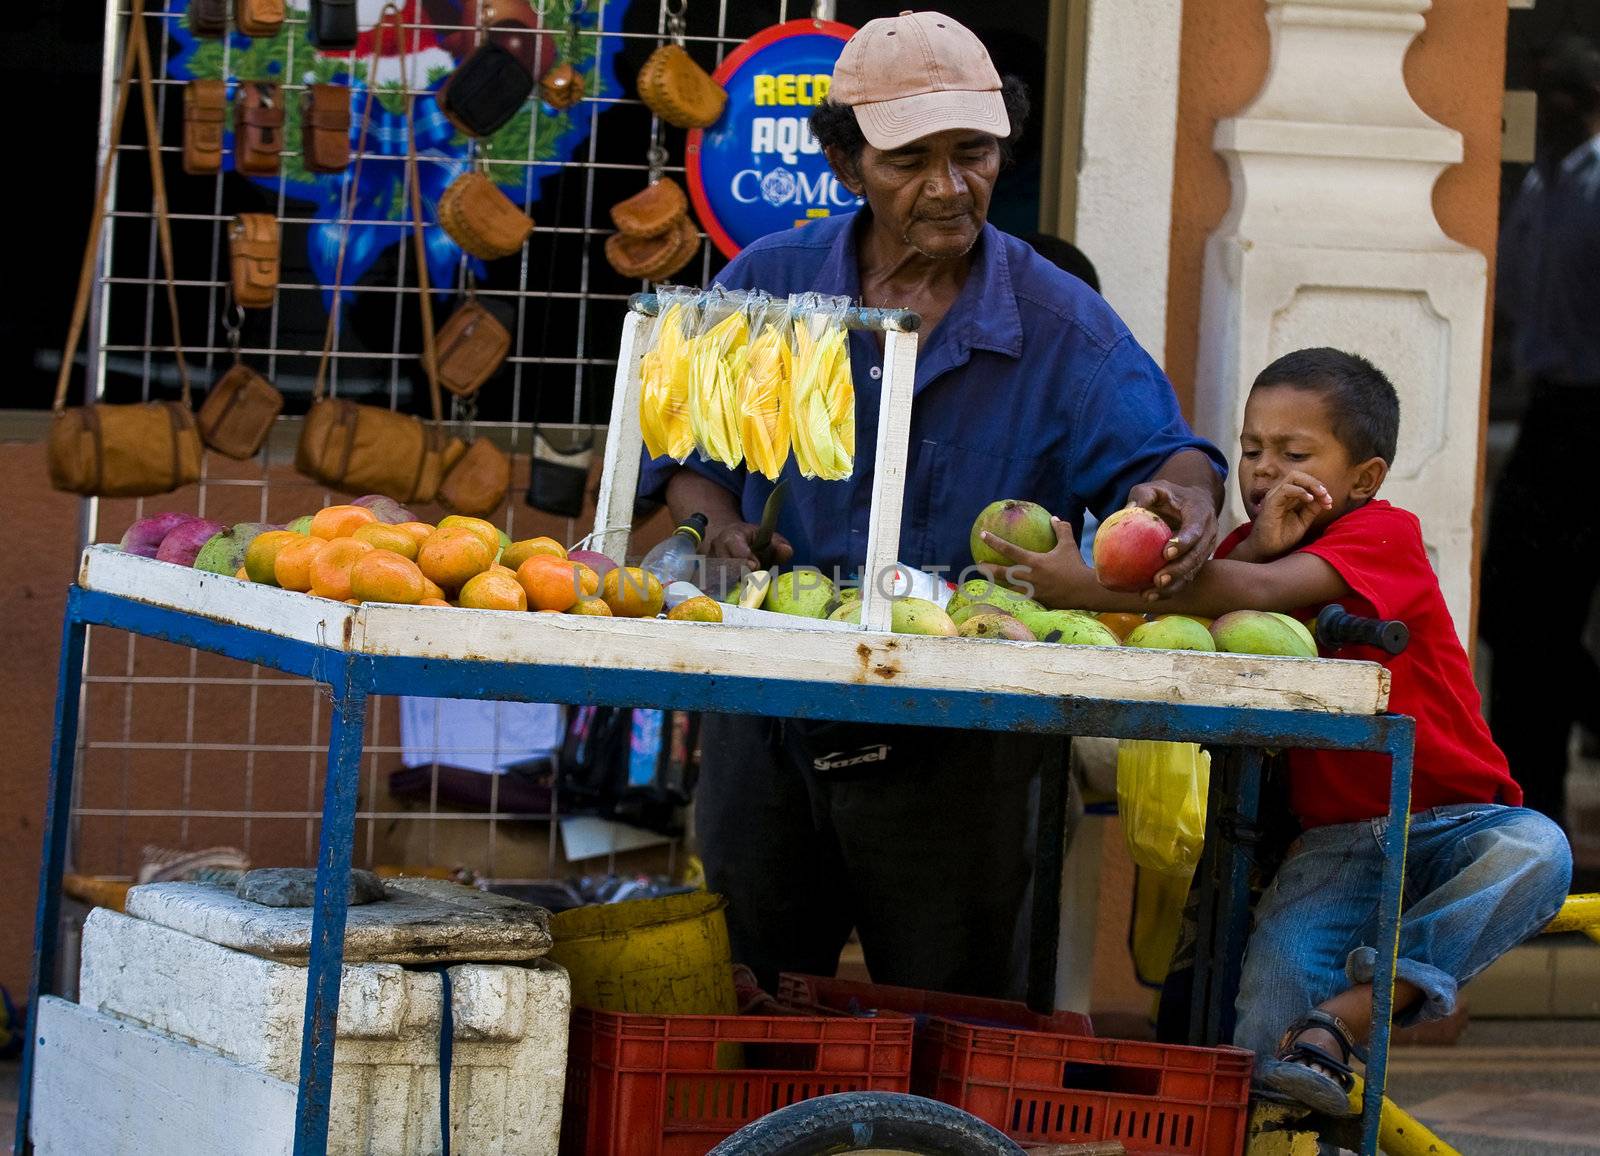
[[1290, 509], [1057, 579]]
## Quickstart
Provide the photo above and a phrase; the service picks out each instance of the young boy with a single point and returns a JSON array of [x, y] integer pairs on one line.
[[1482, 873]]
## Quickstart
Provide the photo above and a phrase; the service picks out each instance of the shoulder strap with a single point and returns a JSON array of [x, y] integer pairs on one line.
[[158, 188], [430, 363], [135, 49]]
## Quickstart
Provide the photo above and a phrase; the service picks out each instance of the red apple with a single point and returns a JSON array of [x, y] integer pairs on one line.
[[1129, 548]]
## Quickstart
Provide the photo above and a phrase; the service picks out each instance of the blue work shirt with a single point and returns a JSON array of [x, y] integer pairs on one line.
[[1550, 270], [1030, 387]]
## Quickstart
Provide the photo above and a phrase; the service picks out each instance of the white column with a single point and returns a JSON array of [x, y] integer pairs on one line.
[[1130, 132], [1331, 240]]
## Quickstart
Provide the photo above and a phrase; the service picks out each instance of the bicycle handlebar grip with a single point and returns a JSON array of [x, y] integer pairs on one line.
[[1337, 627]]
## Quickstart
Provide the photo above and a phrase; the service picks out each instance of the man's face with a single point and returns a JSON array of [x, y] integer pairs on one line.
[[933, 194]]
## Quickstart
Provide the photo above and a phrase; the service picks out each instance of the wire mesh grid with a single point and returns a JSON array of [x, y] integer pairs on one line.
[[181, 749]]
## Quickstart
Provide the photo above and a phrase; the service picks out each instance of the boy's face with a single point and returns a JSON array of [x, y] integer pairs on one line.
[[1287, 429]]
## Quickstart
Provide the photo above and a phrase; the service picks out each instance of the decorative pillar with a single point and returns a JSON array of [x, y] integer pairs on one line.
[[1331, 240]]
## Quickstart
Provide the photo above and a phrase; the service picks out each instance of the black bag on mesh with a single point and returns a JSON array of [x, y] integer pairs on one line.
[[486, 89], [332, 25]]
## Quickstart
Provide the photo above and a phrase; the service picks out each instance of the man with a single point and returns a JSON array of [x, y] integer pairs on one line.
[[1543, 678], [1027, 386]]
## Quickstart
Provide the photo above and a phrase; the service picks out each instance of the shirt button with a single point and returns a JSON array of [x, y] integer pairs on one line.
[[875, 372]]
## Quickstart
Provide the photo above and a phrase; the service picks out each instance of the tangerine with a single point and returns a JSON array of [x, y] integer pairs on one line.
[[595, 607], [292, 566], [262, 553], [483, 529], [697, 609], [555, 583], [242, 574], [382, 576], [385, 537], [419, 531], [431, 589], [517, 553], [452, 554], [493, 591], [432, 602], [1121, 624], [632, 592], [340, 521], [330, 570]]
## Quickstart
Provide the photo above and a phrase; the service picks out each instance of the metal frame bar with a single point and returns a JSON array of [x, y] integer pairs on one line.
[[356, 677]]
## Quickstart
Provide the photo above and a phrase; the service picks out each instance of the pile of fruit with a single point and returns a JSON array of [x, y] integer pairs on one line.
[[374, 550]]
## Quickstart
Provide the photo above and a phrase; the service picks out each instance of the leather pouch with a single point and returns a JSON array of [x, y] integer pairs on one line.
[[678, 90], [652, 210], [208, 18], [332, 25], [325, 127], [205, 117], [486, 90], [557, 479], [238, 413], [471, 345], [257, 128], [477, 483], [124, 451], [365, 449], [258, 17], [654, 258], [253, 250], [481, 219]]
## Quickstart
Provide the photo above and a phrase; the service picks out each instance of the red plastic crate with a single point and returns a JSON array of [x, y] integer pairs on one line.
[[1038, 1087], [855, 997], [642, 1085]]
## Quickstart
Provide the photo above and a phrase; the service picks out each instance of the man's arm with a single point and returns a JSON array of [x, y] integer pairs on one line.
[[1186, 489], [728, 535]]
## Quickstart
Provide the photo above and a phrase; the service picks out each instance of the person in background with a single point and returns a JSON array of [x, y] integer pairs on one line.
[[1066, 256], [1542, 530]]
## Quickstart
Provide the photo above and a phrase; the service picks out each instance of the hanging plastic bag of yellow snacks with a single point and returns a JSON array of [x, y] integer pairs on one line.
[[664, 377], [822, 416], [763, 394], [717, 360]]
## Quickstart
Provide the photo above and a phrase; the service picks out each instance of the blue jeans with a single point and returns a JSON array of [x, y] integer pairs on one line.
[[1480, 878]]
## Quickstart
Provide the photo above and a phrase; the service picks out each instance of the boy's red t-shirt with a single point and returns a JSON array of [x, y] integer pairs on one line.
[[1377, 549]]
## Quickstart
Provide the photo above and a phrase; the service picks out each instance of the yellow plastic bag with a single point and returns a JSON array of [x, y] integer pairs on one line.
[[1161, 796], [764, 395], [664, 380], [717, 361], [822, 413]]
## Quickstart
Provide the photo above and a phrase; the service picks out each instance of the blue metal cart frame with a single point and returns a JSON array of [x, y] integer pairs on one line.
[[1238, 734]]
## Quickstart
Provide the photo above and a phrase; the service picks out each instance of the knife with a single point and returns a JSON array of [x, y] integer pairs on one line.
[[762, 542]]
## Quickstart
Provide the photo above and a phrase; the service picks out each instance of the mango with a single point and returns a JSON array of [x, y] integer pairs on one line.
[[143, 538], [1129, 548], [224, 553], [906, 616], [1025, 524], [1300, 629], [994, 625], [1261, 632], [804, 593], [1069, 627], [1171, 632], [977, 590]]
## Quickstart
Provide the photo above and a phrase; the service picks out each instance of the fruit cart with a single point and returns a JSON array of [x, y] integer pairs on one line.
[[1238, 705]]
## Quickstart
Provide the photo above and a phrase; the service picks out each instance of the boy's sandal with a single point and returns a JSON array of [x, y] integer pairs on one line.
[[1312, 1075]]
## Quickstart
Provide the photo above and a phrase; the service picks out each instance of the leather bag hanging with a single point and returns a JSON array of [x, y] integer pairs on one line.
[[124, 451], [677, 89], [477, 483], [482, 219], [332, 25], [257, 128], [325, 127], [253, 257], [205, 116], [495, 80], [258, 17], [366, 448], [208, 18], [239, 409], [471, 346]]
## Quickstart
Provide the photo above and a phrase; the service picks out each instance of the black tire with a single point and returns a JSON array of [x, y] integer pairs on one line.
[[858, 1121]]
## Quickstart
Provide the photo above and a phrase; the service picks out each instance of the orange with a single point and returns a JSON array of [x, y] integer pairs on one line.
[[340, 521], [391, 538], [431, 589], [452, 554], [517, 553], [432, 602], [632, 592], [592, 606], [242, 574], [697, 609], [555, 583], [379, 576], [1120, 624], [292, 566], [330, 571], [492, 591], [419, 531], [496, 568], [484, 530], [262, 552]]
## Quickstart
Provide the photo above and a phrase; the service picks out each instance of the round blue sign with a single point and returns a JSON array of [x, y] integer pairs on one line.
[[759, 169]]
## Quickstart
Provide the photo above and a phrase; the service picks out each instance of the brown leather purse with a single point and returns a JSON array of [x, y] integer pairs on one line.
[[481, 219], [205, 115], [258, 17], [652, 210], [365, 448], [678, 90], [325, 128], [253, 250], [470, 347], [654, 258], [124, 451], [208, 18], [257, 128], [477, 484], [239, 410]]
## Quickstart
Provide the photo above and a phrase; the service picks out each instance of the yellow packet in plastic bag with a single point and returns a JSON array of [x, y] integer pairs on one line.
[[822, 410], [764, 397], [1161, 797], [664, 383]]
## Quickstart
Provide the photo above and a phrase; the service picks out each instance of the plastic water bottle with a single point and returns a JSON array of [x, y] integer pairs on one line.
[[677, 559]]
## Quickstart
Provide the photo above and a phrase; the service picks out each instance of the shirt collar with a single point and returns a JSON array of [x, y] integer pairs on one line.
[[984, 315]]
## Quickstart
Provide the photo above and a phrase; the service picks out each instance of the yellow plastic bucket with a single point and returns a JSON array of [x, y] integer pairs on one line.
[[666, 956]]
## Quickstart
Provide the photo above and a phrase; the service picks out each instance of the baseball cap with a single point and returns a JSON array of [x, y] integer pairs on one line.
[[915, 74]]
